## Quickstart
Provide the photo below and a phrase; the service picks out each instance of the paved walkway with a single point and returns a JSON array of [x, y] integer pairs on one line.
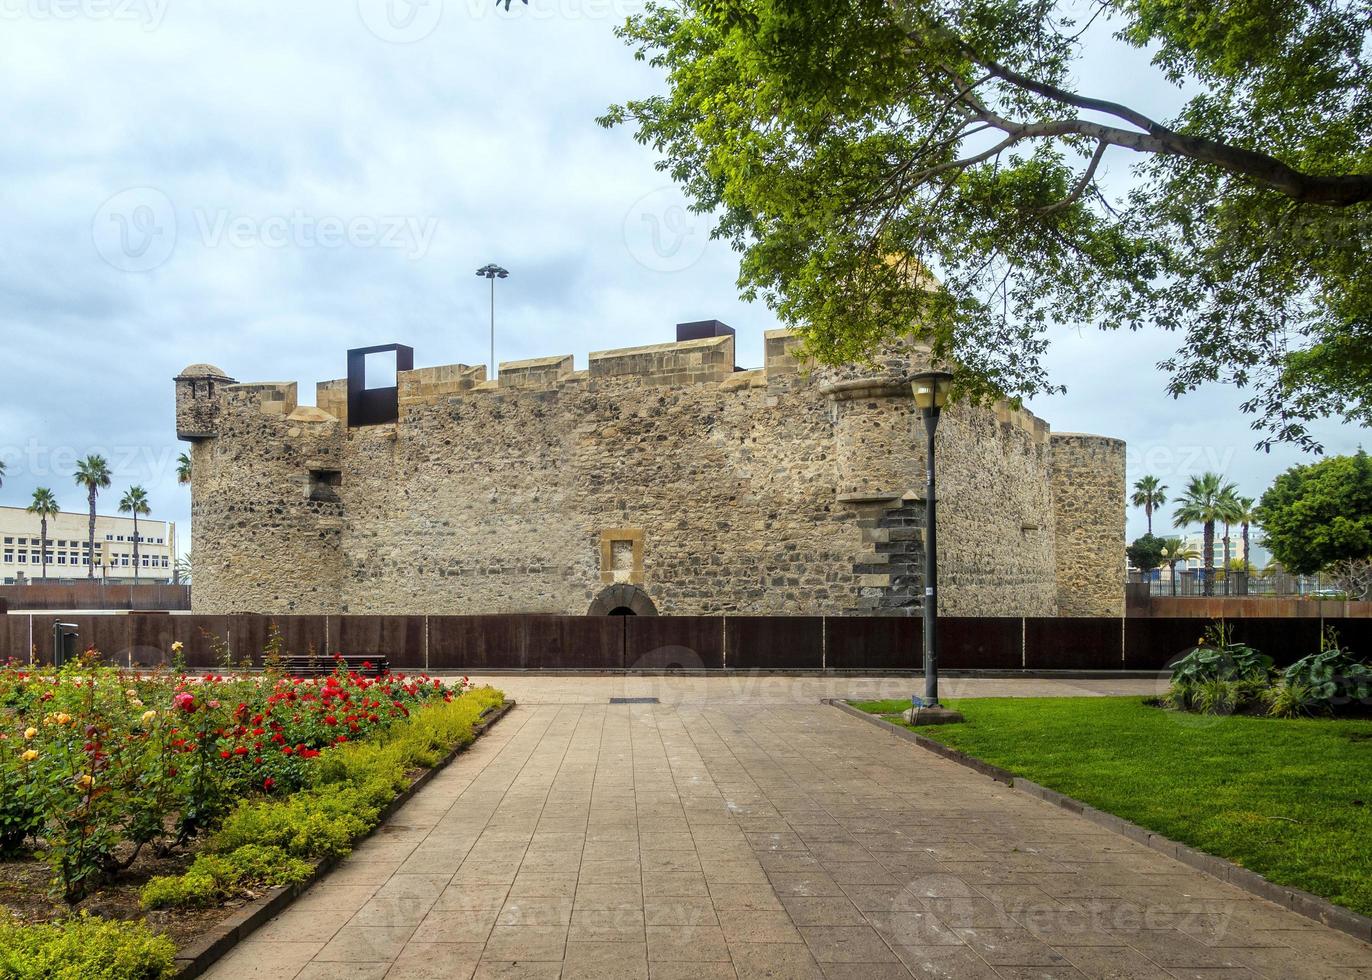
[[537, 688], [791, 841]]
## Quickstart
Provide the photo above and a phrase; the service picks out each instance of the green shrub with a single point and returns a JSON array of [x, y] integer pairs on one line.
[[1289, 699], [213, 878], [309, 824], [1218, 657], [1334, 677], [206, 883], [265, 865], [84, 948]]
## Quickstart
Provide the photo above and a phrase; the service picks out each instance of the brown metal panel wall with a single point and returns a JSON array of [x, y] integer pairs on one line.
[[200, 635], [668, 642], [14, 637], [1284, 640], [474, 643], [873, 643], [763, 642], [399, 639], [1151, 644], [150, 638], [575, 642], [980, 643], [107, 634], [1355, 634], [1051, 643]]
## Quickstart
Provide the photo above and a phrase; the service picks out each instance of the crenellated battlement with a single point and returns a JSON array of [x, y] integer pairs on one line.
[[699, 361]]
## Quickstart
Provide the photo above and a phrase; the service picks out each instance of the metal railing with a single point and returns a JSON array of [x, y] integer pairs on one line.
[[1191, 582]]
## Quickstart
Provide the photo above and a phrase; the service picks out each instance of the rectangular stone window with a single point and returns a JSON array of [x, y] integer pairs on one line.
[[621, 556], [324, 485]]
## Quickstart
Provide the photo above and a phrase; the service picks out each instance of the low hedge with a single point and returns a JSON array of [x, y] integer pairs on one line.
[[279, 841], [84, 948]]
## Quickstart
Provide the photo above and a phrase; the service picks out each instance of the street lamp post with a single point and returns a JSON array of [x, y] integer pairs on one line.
[[493, 272], [931, 394]]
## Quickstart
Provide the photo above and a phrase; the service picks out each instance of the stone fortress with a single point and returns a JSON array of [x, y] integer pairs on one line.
[[661, 480]]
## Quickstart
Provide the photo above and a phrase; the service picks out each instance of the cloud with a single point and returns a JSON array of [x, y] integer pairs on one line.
[[186, 183]]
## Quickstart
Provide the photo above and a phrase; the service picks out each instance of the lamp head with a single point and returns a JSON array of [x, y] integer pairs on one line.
[[930, 389]]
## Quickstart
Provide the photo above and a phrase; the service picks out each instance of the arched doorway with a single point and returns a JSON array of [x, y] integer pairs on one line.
[[622, 600]]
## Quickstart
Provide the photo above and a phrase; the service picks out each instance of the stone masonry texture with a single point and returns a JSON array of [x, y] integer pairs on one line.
[[779, 491]]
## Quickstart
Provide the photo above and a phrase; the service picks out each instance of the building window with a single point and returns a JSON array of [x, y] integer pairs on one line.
[[621, 556], [9, 558], [324, 485]]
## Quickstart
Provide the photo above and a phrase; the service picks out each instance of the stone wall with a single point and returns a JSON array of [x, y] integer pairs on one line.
[[1088, 503], [780, 491]]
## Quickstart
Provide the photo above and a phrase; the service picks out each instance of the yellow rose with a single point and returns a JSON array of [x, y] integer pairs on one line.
[[84, 782], [30, 733], [148, 718], [29, 756], [178, 646]]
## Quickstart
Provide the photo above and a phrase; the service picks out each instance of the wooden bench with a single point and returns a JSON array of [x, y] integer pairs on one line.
[[320, 665]]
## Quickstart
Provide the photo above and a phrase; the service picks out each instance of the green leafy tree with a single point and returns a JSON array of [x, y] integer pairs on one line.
[[1319, 516], [44, 505], [1145, 553], [1208, 500], [135, 502], [886, 166], [93, 474], [1150, 494]]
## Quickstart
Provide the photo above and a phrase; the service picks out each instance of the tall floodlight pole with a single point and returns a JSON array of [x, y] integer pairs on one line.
[[931, 394], [493, 272]]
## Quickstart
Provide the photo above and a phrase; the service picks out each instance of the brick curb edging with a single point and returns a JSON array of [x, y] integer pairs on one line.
[[224, 935], [1301, 902]]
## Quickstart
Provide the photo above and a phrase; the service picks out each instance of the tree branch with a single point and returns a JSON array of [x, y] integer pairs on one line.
[[1082, 184], [1341, 190]]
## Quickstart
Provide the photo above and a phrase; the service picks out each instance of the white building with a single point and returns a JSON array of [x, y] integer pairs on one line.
[[69, 552]]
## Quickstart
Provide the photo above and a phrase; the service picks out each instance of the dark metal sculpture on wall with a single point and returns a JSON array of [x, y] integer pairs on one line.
[[375, 406]]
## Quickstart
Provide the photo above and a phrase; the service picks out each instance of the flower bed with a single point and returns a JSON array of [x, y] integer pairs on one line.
[[122, 791]]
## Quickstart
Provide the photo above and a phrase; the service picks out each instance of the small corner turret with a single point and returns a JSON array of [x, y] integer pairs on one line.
[[198, 388]]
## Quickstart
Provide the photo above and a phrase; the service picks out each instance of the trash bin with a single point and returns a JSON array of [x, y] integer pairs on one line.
[[64, 643]]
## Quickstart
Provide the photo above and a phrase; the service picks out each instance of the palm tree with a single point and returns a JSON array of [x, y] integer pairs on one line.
[[183, 469], [1150, 495], [45, 506], [1229, 516], [1207, 499], [135, 502], [93, 473], [2, 472], [185, 568], [1173, 551], [1247, 514]]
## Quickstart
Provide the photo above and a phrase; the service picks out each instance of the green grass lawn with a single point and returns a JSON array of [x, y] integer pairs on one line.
[[1290, 799]]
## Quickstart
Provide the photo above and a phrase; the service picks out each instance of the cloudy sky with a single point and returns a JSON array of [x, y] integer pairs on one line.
[[264, 184]]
